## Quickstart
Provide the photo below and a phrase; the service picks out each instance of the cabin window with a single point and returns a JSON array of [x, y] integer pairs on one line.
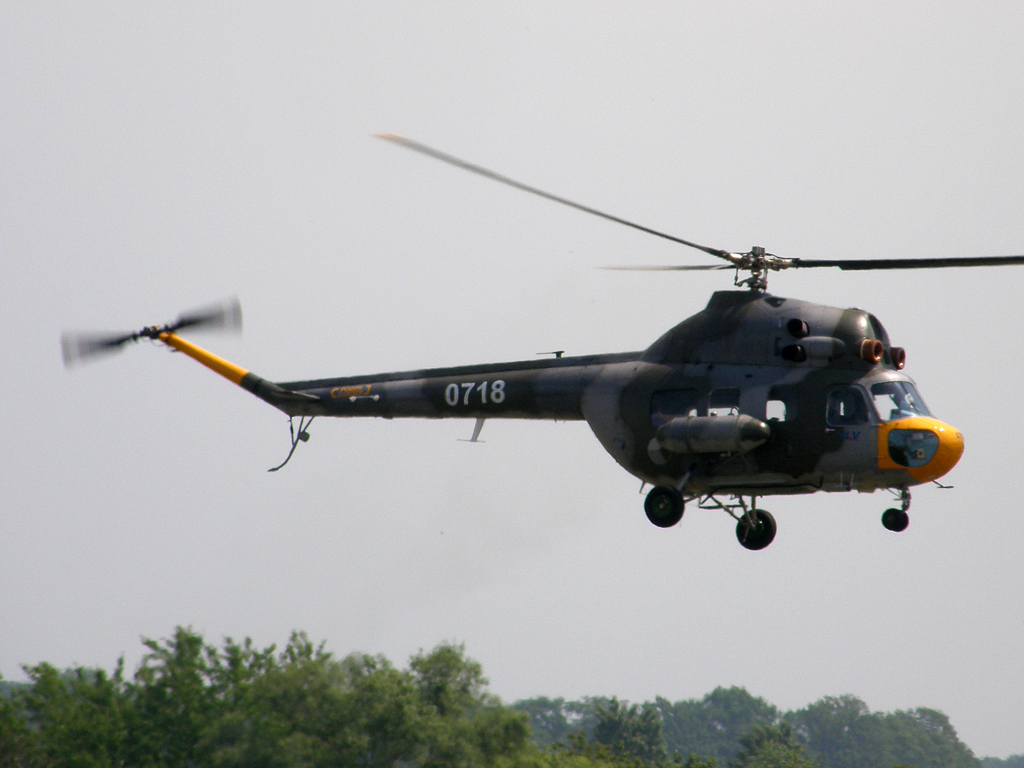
[[846, 407], [671, 404], [724, 402], [781, 404], [897, 400]]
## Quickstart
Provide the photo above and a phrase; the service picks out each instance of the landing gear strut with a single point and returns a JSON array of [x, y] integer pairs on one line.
[[897, 519], [664, 506]]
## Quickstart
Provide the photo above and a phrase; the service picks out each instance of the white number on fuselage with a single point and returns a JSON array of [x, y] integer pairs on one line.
[[493, 392]]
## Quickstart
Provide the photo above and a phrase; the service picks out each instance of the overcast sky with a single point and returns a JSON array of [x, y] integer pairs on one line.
[[158, 156]]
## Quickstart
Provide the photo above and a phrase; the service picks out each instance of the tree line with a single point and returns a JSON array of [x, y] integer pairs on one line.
[[834, 732], [193, 704]]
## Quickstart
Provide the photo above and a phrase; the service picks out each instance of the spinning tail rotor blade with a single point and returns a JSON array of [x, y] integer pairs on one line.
[[81, 346], [225, 316], [76, 347]]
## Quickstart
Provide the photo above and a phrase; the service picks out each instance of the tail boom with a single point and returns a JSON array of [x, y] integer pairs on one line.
[[532, 389]]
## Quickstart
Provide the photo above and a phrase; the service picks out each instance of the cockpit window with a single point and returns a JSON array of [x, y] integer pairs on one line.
[[897, 400], [846, 407]]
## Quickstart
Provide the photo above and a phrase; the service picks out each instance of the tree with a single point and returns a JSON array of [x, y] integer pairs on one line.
[[839, 729], [175, 700], [308, 709], [465, 725], [384, 710], [1013, 761], [844, 733], [923, 738], [447, 680], [634, 731], [771, 747], [14, 732], [202, 706], [548, 721], [277, 710], [75, 718], [712, 726]]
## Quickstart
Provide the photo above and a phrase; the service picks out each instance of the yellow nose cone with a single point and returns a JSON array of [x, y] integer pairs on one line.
[[896, 437], [951, 448]]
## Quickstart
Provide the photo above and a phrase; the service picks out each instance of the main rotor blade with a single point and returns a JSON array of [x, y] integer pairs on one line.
[[423, 149], [860, 264], [676, 268]]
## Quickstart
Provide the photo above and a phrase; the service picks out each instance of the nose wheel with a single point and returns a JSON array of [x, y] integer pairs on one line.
[[897, 519]]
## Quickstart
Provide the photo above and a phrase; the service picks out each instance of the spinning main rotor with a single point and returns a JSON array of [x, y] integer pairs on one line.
[[757, 261]]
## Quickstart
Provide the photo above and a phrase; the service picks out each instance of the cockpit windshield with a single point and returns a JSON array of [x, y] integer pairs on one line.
[[897, 400]]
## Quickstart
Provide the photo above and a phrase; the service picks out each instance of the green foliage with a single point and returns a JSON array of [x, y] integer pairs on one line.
[[633, 731], [192, 704], [14, 732], [549, 721], [197, 705], [845, 734], [837, 732], [771, 747], [175, 696], [76, 719], [447, 680], [1013, 761], [712, 726], [836, 727], [577, 747], [696, 762], [598, 727]]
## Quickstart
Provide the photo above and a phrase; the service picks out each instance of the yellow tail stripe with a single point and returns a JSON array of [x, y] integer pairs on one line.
[[229, 371]]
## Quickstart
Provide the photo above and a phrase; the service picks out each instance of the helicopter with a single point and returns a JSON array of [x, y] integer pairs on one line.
[[754, 396]]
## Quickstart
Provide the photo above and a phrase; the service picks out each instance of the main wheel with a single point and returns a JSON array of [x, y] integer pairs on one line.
[[760, 534], [664, 506], [895, 520]]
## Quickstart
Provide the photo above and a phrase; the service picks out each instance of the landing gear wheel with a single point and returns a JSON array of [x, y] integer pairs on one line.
[[895, 520], [664, 506], [760, 534]]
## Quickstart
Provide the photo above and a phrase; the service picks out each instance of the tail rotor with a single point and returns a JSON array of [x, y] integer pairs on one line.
[[80, 347]]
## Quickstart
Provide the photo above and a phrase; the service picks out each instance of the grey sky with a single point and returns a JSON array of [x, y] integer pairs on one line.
[[154, 157]]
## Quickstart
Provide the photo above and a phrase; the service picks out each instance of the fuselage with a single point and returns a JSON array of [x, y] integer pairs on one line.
[[835, 420], [754, 395]]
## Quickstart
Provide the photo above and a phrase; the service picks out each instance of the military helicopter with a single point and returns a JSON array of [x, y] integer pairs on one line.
[[754, 396]]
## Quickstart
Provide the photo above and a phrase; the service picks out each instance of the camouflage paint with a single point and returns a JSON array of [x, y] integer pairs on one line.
[[760, 346]]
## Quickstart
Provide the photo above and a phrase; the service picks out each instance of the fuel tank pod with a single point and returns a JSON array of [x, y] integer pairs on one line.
[[712, 434]]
